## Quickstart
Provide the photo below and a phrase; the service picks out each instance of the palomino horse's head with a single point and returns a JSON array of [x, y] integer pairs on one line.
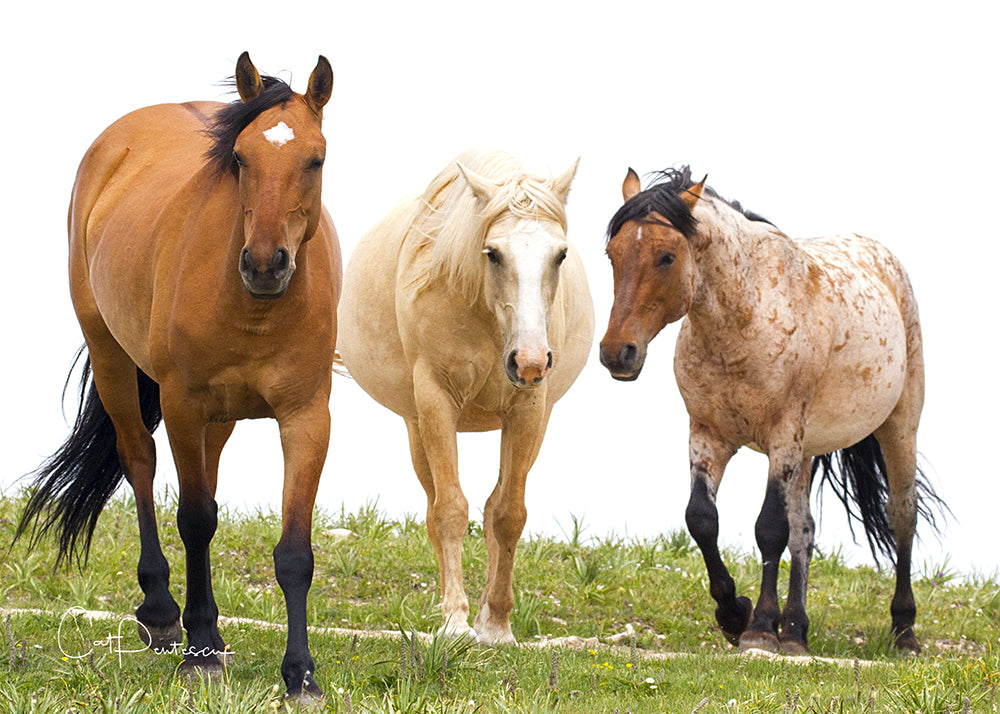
[[277, 151], [523, 251], [653, 268]]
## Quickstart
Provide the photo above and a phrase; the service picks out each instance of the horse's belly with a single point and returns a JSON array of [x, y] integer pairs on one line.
[[861, 386]]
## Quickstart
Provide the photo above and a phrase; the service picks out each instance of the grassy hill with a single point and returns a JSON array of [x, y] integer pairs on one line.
[[611, 624]]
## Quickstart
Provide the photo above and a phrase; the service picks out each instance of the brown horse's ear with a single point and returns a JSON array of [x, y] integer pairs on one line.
[[320, 85], [631, 186], [562, 183], [483, 188], [691, 195], [248, 81]]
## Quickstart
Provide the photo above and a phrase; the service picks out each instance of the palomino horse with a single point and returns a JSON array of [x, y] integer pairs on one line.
[[205, 274], [466, 309], [793, 348]]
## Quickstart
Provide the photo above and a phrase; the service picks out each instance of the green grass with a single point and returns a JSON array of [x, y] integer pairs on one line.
[[385, 578]]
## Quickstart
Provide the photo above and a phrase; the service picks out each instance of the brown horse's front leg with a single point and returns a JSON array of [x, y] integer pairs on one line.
[[505, 514], [708, 462], [305, 436], [196, 521]]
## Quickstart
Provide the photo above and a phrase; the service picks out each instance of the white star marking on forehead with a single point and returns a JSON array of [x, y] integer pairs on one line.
[[280, 134]]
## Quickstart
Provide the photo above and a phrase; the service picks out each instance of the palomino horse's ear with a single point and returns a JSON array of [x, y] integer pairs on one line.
[[691, 195], [561, 184], [320, 85], [631, 185], [247, 78], [483, 188]]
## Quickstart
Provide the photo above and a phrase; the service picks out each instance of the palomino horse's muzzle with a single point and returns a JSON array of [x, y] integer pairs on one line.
[[271, 280], [623, 360], [527, 368]]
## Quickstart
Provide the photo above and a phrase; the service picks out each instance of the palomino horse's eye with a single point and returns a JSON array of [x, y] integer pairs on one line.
[[492, 255], [561, 257], [665, 260]]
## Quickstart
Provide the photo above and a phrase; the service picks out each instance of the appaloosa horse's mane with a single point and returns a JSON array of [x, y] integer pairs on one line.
[[663, 196]]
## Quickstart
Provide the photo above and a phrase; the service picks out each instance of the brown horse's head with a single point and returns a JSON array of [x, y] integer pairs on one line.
[[273, 143], [654, 271]]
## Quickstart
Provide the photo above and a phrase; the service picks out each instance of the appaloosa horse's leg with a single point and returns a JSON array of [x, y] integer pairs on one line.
[[772, 532], [116, 380], [505, 514], [708, 462], [437, 419], [801, 529], [897, 438], [305, 436]]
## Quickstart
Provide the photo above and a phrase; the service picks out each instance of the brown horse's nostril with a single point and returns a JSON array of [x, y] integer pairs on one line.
[[247, 267], [280, 262]]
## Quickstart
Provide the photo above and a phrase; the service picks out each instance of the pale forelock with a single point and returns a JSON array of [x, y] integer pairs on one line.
[[454, 226]]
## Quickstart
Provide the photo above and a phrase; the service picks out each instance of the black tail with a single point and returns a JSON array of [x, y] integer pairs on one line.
[[71, 488], [860, 481]]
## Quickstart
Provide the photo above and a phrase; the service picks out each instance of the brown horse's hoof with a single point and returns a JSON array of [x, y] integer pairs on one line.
[[752, 640], [169, 638], [907, 645], [792, 647], [207, 668]]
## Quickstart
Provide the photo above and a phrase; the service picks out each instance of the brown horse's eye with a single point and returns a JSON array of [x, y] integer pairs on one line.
[[665, 260], [315, 165], [238, 160]]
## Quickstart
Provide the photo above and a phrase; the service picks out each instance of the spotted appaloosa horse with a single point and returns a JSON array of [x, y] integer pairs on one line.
[[794, 348], [205, 274]]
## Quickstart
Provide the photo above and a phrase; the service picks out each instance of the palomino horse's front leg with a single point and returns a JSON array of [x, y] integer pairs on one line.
[[305, 436], [708, 462], [505, 514], [197, 519], [772, 530], [448, 514]]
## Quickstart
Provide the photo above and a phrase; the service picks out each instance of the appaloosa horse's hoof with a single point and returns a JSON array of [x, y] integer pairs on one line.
[[735, 620], [310, 696], [752, 640], [792, 647], [907, 645]]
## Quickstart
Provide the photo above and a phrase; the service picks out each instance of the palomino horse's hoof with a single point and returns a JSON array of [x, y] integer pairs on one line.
[[169, 638], [766, 641]]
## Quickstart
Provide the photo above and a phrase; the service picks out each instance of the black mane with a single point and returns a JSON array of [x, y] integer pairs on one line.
[[663, 196], [230, 121]]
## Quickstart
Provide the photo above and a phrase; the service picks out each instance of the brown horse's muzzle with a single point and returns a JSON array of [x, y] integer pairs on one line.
[[623, 359], [267, 279]]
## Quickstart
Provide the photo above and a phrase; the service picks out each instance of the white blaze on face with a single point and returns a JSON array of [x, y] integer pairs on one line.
[[531, 248], [280, 134]]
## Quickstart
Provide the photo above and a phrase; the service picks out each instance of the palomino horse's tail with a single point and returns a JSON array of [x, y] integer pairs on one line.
[[858, 477], [73, 485]]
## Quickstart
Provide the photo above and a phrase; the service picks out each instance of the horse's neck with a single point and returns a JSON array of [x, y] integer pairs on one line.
[[731, 254]]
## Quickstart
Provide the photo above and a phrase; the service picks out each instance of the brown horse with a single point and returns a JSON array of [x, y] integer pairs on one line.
[[794, 348], [205, 273]]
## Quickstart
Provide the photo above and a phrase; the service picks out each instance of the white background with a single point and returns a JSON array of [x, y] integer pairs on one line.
[[879, 118]]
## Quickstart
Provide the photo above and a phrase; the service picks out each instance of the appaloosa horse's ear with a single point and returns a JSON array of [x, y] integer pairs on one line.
[[483, 188], [631, 185], [562, 183], [248, 82], [691, 195], [320, 85]]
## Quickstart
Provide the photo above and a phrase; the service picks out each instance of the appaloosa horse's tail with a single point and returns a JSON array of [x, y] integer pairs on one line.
[[73, 485], [858, 477]]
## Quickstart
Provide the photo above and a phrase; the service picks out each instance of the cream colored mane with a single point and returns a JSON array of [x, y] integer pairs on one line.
[[453, 223]]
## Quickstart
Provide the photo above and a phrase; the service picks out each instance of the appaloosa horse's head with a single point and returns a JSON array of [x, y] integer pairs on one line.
[[272, 142], [654, 271]]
